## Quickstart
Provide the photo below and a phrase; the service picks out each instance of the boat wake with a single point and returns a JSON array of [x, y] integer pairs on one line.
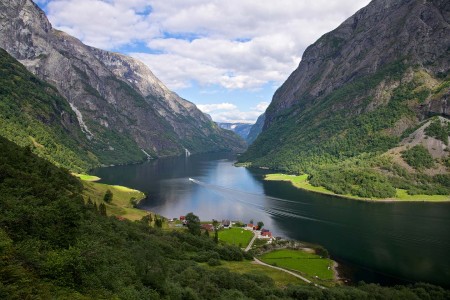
[[252, 199]]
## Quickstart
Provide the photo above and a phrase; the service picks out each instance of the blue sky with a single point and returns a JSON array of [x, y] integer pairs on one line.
[[228, 57]]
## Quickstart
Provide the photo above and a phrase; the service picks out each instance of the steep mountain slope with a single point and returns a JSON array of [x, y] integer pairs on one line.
[[34, 114], [125, 112], [359, 88], [256, 129], [241, 129]]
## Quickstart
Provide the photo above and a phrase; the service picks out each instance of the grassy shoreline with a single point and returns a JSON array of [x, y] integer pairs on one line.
[[301, 182], [121, 205]]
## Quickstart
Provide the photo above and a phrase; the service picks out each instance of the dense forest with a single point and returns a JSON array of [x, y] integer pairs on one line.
[[55, 245]]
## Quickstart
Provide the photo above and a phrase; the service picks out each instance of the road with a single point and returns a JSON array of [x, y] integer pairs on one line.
[[287, 271], [277, 268], [251, 242]]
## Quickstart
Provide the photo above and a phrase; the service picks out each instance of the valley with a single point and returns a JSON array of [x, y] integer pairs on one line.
[[111, 181]]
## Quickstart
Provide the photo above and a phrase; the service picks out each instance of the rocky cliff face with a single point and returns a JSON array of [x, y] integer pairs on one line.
[[124, 110], [241, 129], [380, 34], [365, 83], [256, 129]]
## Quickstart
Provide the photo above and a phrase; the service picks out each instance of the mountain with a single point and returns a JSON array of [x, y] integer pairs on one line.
[[34, 114], [241, 129], [124, 111], [357, 92], [256, 129]]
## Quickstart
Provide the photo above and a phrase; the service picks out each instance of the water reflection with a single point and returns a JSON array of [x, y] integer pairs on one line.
[[404, 240]]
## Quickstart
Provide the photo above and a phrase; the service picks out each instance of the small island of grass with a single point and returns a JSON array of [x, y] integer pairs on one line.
[[301, 182]]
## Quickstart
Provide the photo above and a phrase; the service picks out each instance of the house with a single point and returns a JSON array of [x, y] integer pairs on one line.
[[266, 234], [208, 227], [226, 223], [182, 218], [250, 226]]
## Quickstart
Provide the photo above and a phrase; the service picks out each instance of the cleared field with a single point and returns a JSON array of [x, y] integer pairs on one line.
[[306, 263], [236, 236], [121, 203], [280, 278], [85, 177], [302, 182]]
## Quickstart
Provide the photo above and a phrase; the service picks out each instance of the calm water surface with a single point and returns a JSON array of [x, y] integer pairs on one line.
[[376, 242]]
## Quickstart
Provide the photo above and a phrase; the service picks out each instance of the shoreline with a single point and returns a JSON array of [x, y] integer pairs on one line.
[[125, 200], [303, 184]]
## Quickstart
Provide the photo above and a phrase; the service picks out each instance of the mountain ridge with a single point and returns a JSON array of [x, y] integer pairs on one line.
[[124, 116], [358, 91]]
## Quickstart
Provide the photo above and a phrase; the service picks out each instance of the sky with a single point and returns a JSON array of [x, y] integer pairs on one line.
[[228, 57]]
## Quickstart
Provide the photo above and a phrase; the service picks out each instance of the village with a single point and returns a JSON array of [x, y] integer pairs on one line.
[[235, 227]]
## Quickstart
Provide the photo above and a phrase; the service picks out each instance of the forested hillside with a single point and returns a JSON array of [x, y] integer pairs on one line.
[[358, 92], [34, 114], [54, 245]]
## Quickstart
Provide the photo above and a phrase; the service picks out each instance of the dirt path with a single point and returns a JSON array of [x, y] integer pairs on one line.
[[251, 243], [286, 271]]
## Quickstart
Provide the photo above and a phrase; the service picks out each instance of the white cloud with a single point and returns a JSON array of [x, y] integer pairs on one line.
[[262, 106], [237, 44], [229, 113], [103, 24], [208, 108]]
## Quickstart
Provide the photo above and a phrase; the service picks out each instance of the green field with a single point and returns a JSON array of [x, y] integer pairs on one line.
[[306, 263], [120, 205], [301, 182], [236, 236], [86, 177], [280, 278]]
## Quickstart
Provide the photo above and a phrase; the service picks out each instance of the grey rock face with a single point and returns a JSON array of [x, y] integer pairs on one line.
[[241, 129], [256, 129], [120, 104], [385, 31]]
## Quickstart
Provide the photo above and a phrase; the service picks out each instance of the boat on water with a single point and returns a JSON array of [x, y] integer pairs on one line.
[[190, 179]]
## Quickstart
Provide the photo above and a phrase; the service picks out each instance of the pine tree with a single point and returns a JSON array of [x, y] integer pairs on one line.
[[102, 209], [108, 196]]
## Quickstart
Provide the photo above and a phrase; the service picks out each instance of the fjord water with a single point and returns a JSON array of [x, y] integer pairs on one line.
[[376, 242]]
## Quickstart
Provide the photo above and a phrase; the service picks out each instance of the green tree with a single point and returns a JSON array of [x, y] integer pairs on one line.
[[108, 196], [260, 225], [133, 202], [216, 231], [158, 222], [102, 209], [193, 224]]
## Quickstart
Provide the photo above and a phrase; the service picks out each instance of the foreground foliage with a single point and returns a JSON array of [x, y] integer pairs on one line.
[[53, 245]]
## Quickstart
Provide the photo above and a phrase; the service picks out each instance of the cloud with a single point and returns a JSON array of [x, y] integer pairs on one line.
[[262, 106], [238, 44], [208, 108], [103, 24], [229, 113]]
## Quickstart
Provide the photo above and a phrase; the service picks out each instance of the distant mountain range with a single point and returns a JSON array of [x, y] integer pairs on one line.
[[241, 129], [359, 92], [249, 132], [124, 113]]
